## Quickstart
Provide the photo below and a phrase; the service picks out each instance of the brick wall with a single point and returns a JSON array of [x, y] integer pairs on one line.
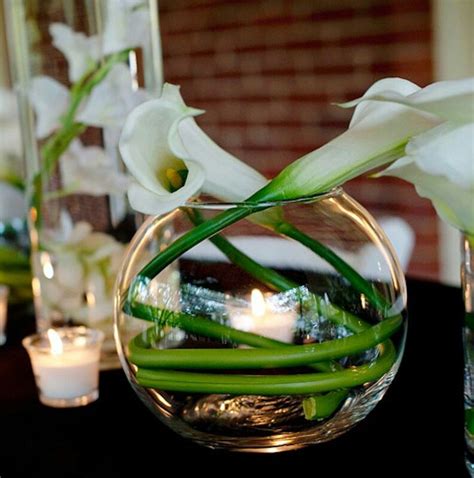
[[267, 72]]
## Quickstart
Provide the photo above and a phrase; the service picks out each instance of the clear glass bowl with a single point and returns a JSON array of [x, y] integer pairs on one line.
[[287, 338]]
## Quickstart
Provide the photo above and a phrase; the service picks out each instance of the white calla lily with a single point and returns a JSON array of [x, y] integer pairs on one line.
[[89, 170], [377, 135], [161, 135], [440, 163], [50, 100], [449, 100], [81, 51], [126, 25], [112, 99]]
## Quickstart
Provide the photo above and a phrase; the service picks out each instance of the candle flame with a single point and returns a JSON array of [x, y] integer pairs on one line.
[[258, 303], [55, 341]]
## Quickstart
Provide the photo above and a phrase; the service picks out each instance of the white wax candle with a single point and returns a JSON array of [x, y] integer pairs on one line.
[[72, 374], [259, 319], [277, 326], [66, 365]]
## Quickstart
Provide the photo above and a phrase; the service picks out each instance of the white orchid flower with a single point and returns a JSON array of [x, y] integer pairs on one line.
[[50, 100], [112, 99], [89, 170], [82, 267], [107, 106], [440, 162], [126, 25], [81, 52], [160, 140]]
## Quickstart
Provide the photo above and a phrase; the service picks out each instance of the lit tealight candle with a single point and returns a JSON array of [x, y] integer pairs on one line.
[[65, 363], [261, 320]]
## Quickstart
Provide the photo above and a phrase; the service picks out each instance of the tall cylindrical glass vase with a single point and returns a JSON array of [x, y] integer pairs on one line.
[[79, 67]]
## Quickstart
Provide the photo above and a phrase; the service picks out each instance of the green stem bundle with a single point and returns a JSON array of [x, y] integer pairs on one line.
[[171, 369], [295, 384], [142, 355]]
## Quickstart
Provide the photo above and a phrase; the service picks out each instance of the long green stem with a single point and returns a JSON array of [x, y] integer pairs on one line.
[[274, 280], [195, 236], [317, 407], [142, 355], [296, 384], [265, 275], [348, 272]]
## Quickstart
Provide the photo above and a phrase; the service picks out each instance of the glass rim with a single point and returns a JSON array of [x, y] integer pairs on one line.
[[223, 205], [35, 341]]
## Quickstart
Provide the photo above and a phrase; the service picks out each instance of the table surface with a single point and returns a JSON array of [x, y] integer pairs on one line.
[[417, 427]]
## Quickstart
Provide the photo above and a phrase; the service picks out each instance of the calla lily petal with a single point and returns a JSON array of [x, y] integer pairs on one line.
[[450, 100], [447, 150], [111, 100], [153, 202], [365, 108], [81, 51], [453, 203], [50, 100], [439, 163], [227, 178]]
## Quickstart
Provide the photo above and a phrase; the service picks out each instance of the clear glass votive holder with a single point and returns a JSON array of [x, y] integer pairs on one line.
[[66, 365], [4, 292]]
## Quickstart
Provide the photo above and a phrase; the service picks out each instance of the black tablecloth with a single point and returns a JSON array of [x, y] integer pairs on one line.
[[417, 428]]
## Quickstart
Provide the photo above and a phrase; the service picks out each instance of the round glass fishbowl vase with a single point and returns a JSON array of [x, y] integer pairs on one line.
[[283, 330]]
